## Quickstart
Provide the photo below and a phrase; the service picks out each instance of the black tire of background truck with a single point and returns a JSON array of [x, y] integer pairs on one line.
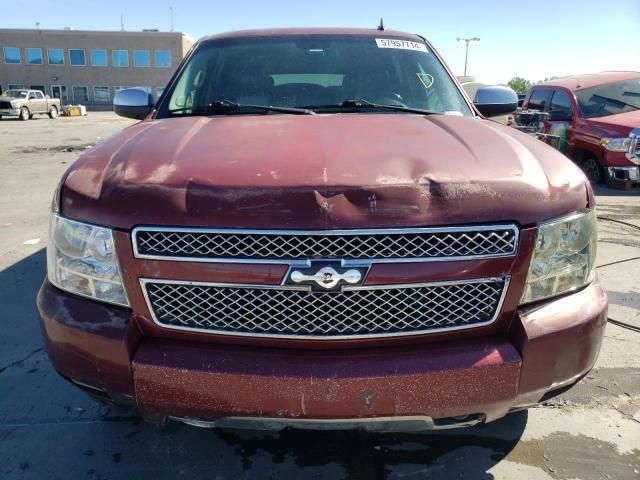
[[24, 114], [53, 113], [31, 116], [593, 169]]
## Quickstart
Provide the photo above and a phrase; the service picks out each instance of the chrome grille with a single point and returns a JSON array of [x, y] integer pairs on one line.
[[385, 245], [634, 148], [354, 312]]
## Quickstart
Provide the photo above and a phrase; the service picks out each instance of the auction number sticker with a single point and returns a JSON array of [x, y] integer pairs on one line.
[[401, 44]]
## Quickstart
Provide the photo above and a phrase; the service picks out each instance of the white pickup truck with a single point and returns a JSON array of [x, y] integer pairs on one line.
[[24, 104]]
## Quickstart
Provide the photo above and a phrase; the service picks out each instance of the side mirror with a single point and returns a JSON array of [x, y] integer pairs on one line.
[[495, 100], [47, 96], [133, 103]]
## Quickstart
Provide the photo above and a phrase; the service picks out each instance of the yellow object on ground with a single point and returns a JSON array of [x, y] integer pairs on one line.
[[73, 112]]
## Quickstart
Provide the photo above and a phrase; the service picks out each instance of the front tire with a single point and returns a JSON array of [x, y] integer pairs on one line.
[[593, 169], [53, 113], [24, 114]]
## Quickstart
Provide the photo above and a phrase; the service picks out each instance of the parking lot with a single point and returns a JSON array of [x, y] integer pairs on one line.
[[50, 430]]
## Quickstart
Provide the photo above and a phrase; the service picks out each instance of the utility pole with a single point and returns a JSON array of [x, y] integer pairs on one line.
[[466, 53]]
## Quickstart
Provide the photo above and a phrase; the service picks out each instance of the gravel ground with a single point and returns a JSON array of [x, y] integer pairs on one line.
[[50, 430]]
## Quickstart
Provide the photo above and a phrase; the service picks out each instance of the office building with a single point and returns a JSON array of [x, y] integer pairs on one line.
[[89, 67]]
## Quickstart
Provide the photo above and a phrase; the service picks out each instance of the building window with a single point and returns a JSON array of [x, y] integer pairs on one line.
[[80, 94], [163, 58], [34, 56], [37, 87], [99, 58], [159, 92], [60, 91], [55, 56], [15, 86], [11, 55], [120, 58], [141, 58], [101, 93], [76, 57]]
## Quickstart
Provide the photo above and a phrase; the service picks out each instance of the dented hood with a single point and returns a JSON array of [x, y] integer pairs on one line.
[[320, 172]]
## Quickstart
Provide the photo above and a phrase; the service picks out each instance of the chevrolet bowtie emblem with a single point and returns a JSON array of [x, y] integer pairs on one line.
[[327, 277]]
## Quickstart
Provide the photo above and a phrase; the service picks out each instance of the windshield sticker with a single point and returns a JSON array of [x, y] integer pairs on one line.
[[425, 79], [401, 44]]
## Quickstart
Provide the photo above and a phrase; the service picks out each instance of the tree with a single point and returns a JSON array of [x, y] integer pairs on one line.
[[519, 84]]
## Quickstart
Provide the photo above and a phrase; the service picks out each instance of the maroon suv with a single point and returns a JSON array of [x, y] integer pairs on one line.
[[317, 228]]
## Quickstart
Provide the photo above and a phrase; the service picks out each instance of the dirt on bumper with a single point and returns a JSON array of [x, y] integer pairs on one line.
[[547, 345]]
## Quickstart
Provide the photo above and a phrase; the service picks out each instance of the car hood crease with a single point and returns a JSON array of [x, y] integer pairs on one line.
[[320, 172]]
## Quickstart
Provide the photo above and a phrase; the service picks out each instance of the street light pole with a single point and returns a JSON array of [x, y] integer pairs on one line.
[[466, 53]]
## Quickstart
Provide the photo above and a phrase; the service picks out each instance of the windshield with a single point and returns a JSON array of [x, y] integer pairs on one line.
[[609, 99], [16, 93], [317, 72]]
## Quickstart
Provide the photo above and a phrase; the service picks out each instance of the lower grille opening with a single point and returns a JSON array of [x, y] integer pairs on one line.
[[360, 311]]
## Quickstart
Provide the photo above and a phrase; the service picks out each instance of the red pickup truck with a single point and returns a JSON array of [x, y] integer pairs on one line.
[[317, 228], [595, 120]]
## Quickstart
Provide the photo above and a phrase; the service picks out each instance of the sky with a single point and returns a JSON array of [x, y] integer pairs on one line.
[[533, 40]]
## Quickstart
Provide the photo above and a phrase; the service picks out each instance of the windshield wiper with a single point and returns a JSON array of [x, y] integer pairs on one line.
[[616, 101], [223, 107], [361, 104]]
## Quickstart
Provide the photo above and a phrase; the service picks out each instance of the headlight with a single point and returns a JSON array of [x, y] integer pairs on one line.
[[616, 144], [564, 257], [81, 259]]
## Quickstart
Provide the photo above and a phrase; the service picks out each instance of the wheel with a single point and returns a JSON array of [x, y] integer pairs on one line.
[[593, 170], [0, 117], [24, 114], [53, 113]]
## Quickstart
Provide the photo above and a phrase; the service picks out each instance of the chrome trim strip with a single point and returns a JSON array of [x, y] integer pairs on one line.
[[195, 283], [392, 286], [345, 262], [414, 423], [633, 154], [86, 385], [505, 279]]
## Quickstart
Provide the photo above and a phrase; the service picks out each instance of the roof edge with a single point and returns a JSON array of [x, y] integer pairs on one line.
[[267, 32]]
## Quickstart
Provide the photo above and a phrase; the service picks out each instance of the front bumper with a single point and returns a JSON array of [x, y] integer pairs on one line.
[[624, 173], [547, 347], [9, 112], [618, 166]]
